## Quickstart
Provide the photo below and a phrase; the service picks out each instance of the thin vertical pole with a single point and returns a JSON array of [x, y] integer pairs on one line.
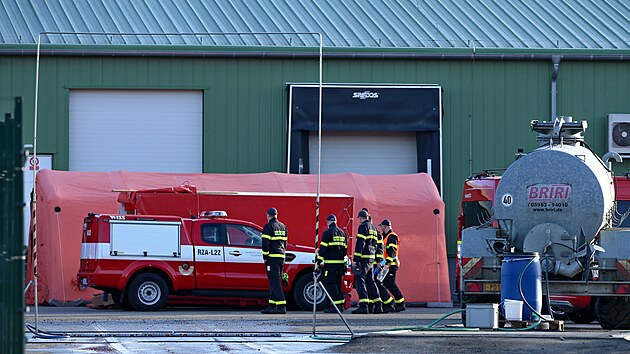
[[437, 252], [34, 211], [319, 172]]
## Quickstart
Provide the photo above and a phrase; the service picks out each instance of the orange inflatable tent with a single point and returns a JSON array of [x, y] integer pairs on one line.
[[411, 202]]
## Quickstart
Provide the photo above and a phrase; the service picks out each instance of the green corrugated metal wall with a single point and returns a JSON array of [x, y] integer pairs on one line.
[[487, 104]]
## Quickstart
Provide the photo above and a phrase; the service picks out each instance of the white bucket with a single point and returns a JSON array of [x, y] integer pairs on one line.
[[513, 310]]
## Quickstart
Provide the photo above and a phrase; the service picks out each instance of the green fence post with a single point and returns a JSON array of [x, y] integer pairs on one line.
[[18, 255], [11, 237]]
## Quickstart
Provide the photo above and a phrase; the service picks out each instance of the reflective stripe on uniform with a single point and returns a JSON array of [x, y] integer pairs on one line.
[[402, 299], [276, 255], [388, 300], [277, 303], [363, 236], [278, 238], [332, 261], [266, 236], [339, 302], [378, 299], [265, 253], [364, 300]]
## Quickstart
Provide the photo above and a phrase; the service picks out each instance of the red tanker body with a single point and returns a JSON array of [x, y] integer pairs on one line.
[[143, 259]]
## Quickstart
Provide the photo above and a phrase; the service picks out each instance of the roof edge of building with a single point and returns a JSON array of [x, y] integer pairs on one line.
[[313, 52]]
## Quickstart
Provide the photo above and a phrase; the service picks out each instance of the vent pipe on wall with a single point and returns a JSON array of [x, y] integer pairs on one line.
[[555, 60]]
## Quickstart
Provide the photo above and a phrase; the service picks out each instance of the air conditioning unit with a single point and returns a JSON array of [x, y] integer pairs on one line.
[[619, 134]]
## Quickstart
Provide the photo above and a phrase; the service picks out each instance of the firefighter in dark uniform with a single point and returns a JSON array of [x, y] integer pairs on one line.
[[379, 262], [332, 250], [363, 262], [274, 245], [392, 244]]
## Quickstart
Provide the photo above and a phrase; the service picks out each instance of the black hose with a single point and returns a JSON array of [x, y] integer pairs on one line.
[[563, 245], [598, 159], [43, 334]]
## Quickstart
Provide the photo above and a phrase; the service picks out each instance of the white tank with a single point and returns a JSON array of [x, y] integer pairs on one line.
[[552, 193]]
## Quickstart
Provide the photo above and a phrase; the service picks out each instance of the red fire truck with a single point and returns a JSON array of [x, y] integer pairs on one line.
[[143, 259]]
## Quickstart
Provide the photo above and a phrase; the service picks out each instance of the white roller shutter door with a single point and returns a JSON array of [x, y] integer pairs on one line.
[[136, 130], [365, 153]]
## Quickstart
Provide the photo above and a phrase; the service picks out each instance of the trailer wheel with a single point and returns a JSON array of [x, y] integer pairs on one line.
[[147, 292], [304, 292], [613, 312]]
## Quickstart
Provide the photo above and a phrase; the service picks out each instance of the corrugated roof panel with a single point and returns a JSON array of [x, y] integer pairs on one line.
[[307, 18], [610, 22], [589, 24], [21, 33], [406, 15], [31, 23], [82, 21], [334, 25], [506, 21], [447, 18], [7, 28], [392, 32], [538, 35]]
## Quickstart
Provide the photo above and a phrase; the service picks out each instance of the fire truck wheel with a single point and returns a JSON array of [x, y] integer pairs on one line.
[[147, 292], [304, 292], [613, 312]]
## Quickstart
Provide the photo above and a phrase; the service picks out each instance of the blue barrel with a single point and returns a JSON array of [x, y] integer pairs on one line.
[[531, 282]]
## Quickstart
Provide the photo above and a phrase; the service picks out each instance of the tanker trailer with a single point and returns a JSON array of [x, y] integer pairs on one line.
[[557, 203]]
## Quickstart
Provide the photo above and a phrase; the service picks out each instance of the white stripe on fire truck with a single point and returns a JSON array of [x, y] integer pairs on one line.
[[102, 251], [203, 254]]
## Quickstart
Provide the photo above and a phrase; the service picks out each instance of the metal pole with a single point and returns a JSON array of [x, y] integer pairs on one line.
[[336, 308], [436, 212], [34, 211], [319, 172]]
